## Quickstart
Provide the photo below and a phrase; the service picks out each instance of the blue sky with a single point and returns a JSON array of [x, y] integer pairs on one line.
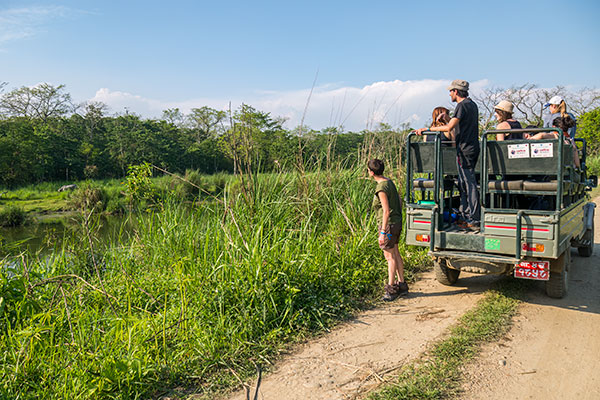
[[373, 60]]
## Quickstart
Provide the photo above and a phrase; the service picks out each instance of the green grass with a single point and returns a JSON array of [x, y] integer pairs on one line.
[[194, 293], [44, 198], [437, 375], [593, 165]]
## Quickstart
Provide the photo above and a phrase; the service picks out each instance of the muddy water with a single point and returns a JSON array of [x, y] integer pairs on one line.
[[46, 236]]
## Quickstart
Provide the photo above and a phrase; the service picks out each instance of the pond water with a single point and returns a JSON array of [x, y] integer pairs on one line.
[[44, 237]]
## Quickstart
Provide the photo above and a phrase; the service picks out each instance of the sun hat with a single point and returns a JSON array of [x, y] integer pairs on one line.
[[505, 105], [556, 100], [459, 84]]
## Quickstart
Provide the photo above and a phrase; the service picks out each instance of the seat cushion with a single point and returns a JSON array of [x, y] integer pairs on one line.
[[551, 186], [505, 185], [423, 183]]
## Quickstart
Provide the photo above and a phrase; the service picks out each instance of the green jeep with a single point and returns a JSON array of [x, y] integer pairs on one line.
[[534, 207]]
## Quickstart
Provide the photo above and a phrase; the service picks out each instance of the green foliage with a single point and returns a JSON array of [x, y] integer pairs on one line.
[[588, 128], [196, 290], [11, 216], [15, 303], [138, 184], [593, 165], [89, 197], [191, 186]]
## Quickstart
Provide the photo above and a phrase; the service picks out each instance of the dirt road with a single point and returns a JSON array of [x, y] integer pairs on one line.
[[553, 349], [357, 355], [551, 352]]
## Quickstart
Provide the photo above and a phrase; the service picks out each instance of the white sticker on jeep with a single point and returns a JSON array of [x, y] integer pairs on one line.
[[518, 150]]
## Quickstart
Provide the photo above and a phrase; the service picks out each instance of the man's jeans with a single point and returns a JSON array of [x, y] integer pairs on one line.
[[469, 195]]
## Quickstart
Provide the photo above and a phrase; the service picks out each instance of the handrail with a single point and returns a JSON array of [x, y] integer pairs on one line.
[[437, 174], [433, 226], [409, 184], [519, 235], [583, 153]]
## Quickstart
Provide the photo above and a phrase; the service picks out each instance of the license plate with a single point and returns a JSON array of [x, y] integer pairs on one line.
[[538, 270]]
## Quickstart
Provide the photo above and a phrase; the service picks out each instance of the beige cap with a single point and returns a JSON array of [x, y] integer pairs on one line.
[[459, 84], [505, 105]]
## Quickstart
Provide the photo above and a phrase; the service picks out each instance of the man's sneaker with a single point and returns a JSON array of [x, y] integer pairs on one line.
[[402, 288], [391, 293]]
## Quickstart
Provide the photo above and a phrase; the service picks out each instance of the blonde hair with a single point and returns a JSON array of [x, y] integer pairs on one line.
[[562, 109]]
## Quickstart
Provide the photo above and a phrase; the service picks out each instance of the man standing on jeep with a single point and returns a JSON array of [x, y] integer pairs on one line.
[[466, 125]]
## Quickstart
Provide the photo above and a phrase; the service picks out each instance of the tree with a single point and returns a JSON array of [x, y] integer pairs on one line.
[[174, 117], [529, 101], [204, 122], [42, 102]]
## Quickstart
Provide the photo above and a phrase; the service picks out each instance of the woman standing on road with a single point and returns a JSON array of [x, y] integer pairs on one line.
[[389, 216]]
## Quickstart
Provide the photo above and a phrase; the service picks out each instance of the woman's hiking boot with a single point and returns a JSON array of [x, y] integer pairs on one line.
[[402, 288], [391, 292]]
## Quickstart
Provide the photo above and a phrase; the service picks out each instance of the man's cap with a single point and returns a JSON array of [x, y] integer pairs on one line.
[[505, 105], [459, 84], [556, 100]]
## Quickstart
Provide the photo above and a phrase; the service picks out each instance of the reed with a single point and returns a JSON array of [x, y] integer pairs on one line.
[[194, 294]]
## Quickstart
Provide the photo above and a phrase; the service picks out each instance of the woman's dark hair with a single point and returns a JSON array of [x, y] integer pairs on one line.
[[504, 115], [563, 123], [376, 166], [462, 93], [435, 115]]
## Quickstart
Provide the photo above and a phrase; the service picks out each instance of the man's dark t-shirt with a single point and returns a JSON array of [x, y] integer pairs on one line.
[[467, 133]]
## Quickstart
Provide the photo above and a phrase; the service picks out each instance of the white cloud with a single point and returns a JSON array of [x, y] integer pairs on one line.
[[354, 108], [21, 23]]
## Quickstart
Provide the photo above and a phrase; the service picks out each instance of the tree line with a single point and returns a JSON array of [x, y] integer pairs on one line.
[[44, 136]]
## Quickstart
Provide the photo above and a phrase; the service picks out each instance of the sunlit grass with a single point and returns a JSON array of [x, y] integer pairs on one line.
[[194, 293]]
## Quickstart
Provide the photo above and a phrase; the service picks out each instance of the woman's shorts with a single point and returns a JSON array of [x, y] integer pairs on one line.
[[390, 242]]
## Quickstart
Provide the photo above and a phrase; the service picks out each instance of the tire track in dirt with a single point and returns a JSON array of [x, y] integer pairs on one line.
[[553, 349], [359, 355]]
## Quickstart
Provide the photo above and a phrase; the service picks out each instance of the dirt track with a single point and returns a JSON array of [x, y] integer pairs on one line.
[[356, 356], [551, 352]]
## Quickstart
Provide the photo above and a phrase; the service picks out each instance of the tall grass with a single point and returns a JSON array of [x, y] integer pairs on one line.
[[195, 294]]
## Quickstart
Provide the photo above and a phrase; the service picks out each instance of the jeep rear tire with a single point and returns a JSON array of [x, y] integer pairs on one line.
[[443, 274], [558, 284]]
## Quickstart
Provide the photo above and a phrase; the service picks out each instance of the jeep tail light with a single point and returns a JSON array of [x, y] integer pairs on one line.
[[423, 238], [533, 247]]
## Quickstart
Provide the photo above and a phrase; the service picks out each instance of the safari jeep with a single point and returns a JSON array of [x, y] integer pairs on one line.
[[534, 207]]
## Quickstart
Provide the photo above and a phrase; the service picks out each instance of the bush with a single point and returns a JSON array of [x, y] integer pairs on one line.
[[589, 129], [593, 165], [188, 188], [140, 188], [89, 197], [11, 216]]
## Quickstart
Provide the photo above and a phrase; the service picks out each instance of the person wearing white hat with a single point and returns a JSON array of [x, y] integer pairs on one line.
[[558, 108], [504, 115]]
